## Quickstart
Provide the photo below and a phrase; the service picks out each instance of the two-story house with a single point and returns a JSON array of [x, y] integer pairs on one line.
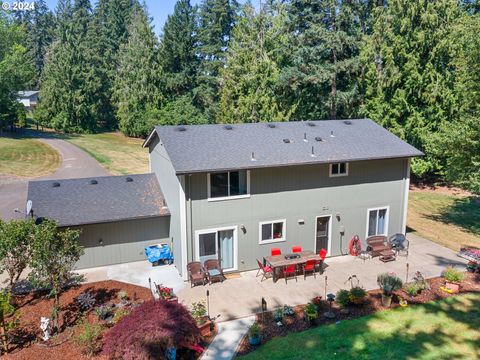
[[235, 191]]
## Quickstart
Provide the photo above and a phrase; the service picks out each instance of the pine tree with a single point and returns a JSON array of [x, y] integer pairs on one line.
[[321, 72], [136, 87], [252, 70], [216, 20], [409, 82]]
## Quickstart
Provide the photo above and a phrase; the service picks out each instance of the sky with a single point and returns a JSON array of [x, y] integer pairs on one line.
[[158, 9]]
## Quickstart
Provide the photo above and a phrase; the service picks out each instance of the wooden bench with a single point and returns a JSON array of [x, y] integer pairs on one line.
[[377, 244]]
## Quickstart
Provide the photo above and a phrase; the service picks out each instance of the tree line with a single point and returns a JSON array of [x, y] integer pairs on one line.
[[411, 66]]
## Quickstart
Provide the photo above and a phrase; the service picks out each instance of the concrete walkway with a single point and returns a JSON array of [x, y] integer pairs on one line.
[[225, 344], [240, 297], [75, 163]]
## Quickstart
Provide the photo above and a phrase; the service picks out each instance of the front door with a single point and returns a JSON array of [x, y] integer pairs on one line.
[[218, 244], [322, 234]]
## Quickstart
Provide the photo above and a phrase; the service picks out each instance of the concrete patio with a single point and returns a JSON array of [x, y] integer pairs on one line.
[[241, 295]]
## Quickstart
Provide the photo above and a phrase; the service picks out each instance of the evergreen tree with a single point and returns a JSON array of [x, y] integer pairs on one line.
[[251, 72], [409, 82], [136, 88], [322, 71], [216, 20]]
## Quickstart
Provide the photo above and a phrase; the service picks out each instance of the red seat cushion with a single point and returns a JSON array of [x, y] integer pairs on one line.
[[267, 268], [297, 249], [276, 251]]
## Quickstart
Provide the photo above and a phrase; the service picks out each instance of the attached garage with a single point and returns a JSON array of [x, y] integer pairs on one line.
[[118, 216]]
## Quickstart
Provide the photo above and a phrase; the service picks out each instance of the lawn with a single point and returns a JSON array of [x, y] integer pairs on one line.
[[26, 157], [119, 154], [445, 218], [447, 329]]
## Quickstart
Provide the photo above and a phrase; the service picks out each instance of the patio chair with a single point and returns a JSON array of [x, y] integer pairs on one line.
[[296, 249], [265, 270], [309, 266], [196, 273], [290, 270], [213, 270], [276, 252], [323, 255], [377, 244]]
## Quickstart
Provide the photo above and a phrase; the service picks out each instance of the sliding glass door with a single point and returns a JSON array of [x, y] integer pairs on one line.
[[218, 244]]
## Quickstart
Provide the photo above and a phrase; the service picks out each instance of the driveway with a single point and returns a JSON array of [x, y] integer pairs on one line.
[[76, 163]]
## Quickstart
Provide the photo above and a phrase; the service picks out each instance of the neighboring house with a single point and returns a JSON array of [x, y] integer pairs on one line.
[[29, 99], [118, 215], [236, 191]]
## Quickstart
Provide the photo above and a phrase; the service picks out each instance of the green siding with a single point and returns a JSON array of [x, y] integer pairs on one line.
[[122, 241], [300, 192]]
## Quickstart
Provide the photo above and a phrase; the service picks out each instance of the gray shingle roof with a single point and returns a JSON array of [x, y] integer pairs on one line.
[[203, 148], [113, 198]]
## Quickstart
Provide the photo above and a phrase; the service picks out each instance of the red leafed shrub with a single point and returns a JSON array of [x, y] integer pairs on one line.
[[149, 330]]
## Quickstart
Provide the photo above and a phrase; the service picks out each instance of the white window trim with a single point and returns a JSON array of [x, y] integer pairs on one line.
[[235, 243], [282, 239], [338, 175], [223, 198], [387, 216]]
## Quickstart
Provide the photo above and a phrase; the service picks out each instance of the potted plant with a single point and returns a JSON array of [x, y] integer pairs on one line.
[[310, 313], [388, 283], [199, 313], [165, 293], [254, 337], [472, 266], [357, 295], [453, 277]]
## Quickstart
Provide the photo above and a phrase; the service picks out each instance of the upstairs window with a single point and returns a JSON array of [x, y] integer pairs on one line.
[[339, 169], [228, 184]]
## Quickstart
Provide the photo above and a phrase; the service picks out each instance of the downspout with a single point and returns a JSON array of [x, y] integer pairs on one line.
[[192, 240]]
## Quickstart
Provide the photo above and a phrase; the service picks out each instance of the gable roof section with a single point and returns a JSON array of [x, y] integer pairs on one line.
[[208, 148], [112, 198]]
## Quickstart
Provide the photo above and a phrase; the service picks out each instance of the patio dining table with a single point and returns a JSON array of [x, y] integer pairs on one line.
[[277, 262]]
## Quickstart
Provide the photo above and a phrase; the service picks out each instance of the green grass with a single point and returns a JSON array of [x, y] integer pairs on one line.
[[450, 220], [446, 329], [26, 157], [119, 154]]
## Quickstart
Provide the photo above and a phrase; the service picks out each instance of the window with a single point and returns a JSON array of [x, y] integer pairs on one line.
[[228, 184], [339, 169], [377, 222], [272, 231]]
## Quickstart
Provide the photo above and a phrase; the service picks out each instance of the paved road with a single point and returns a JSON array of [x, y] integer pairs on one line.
[[76, 163]]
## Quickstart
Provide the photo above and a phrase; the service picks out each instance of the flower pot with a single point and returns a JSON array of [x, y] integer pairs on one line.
[[205, 328], [386, 300], [453, 287], [254, 340]]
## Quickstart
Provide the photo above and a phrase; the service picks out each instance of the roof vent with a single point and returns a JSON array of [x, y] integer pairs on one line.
[[93, 182], [331, 134], [181, 128], [272, 126], [318, 138], [128, 179], [56, 184], [311, 124], [286, 141], [228, 127], [347, 122]]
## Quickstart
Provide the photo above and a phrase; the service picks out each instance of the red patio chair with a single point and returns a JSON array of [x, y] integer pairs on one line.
[[265, 270], [296, 249], [276, 252], [323, 255], [290, 270], [309, 266]]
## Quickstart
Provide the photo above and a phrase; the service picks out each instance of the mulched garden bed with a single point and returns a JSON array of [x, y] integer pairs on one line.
[[373, 303], [29, 345]]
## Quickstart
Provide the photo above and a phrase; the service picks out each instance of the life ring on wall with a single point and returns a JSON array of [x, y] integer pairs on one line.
[[355, 246]]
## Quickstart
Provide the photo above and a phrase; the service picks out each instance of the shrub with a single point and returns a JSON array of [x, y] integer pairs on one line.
[[103, 312], [278, 315], [388, 283], [120, 313], [85, 301], [6, 310], [199, 311], [123, 295], [254, 330], [421, 282], [412, 289], [343, 298], [88, 338], [357, 295], [149, 330], [452, 275], [310, 311]]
